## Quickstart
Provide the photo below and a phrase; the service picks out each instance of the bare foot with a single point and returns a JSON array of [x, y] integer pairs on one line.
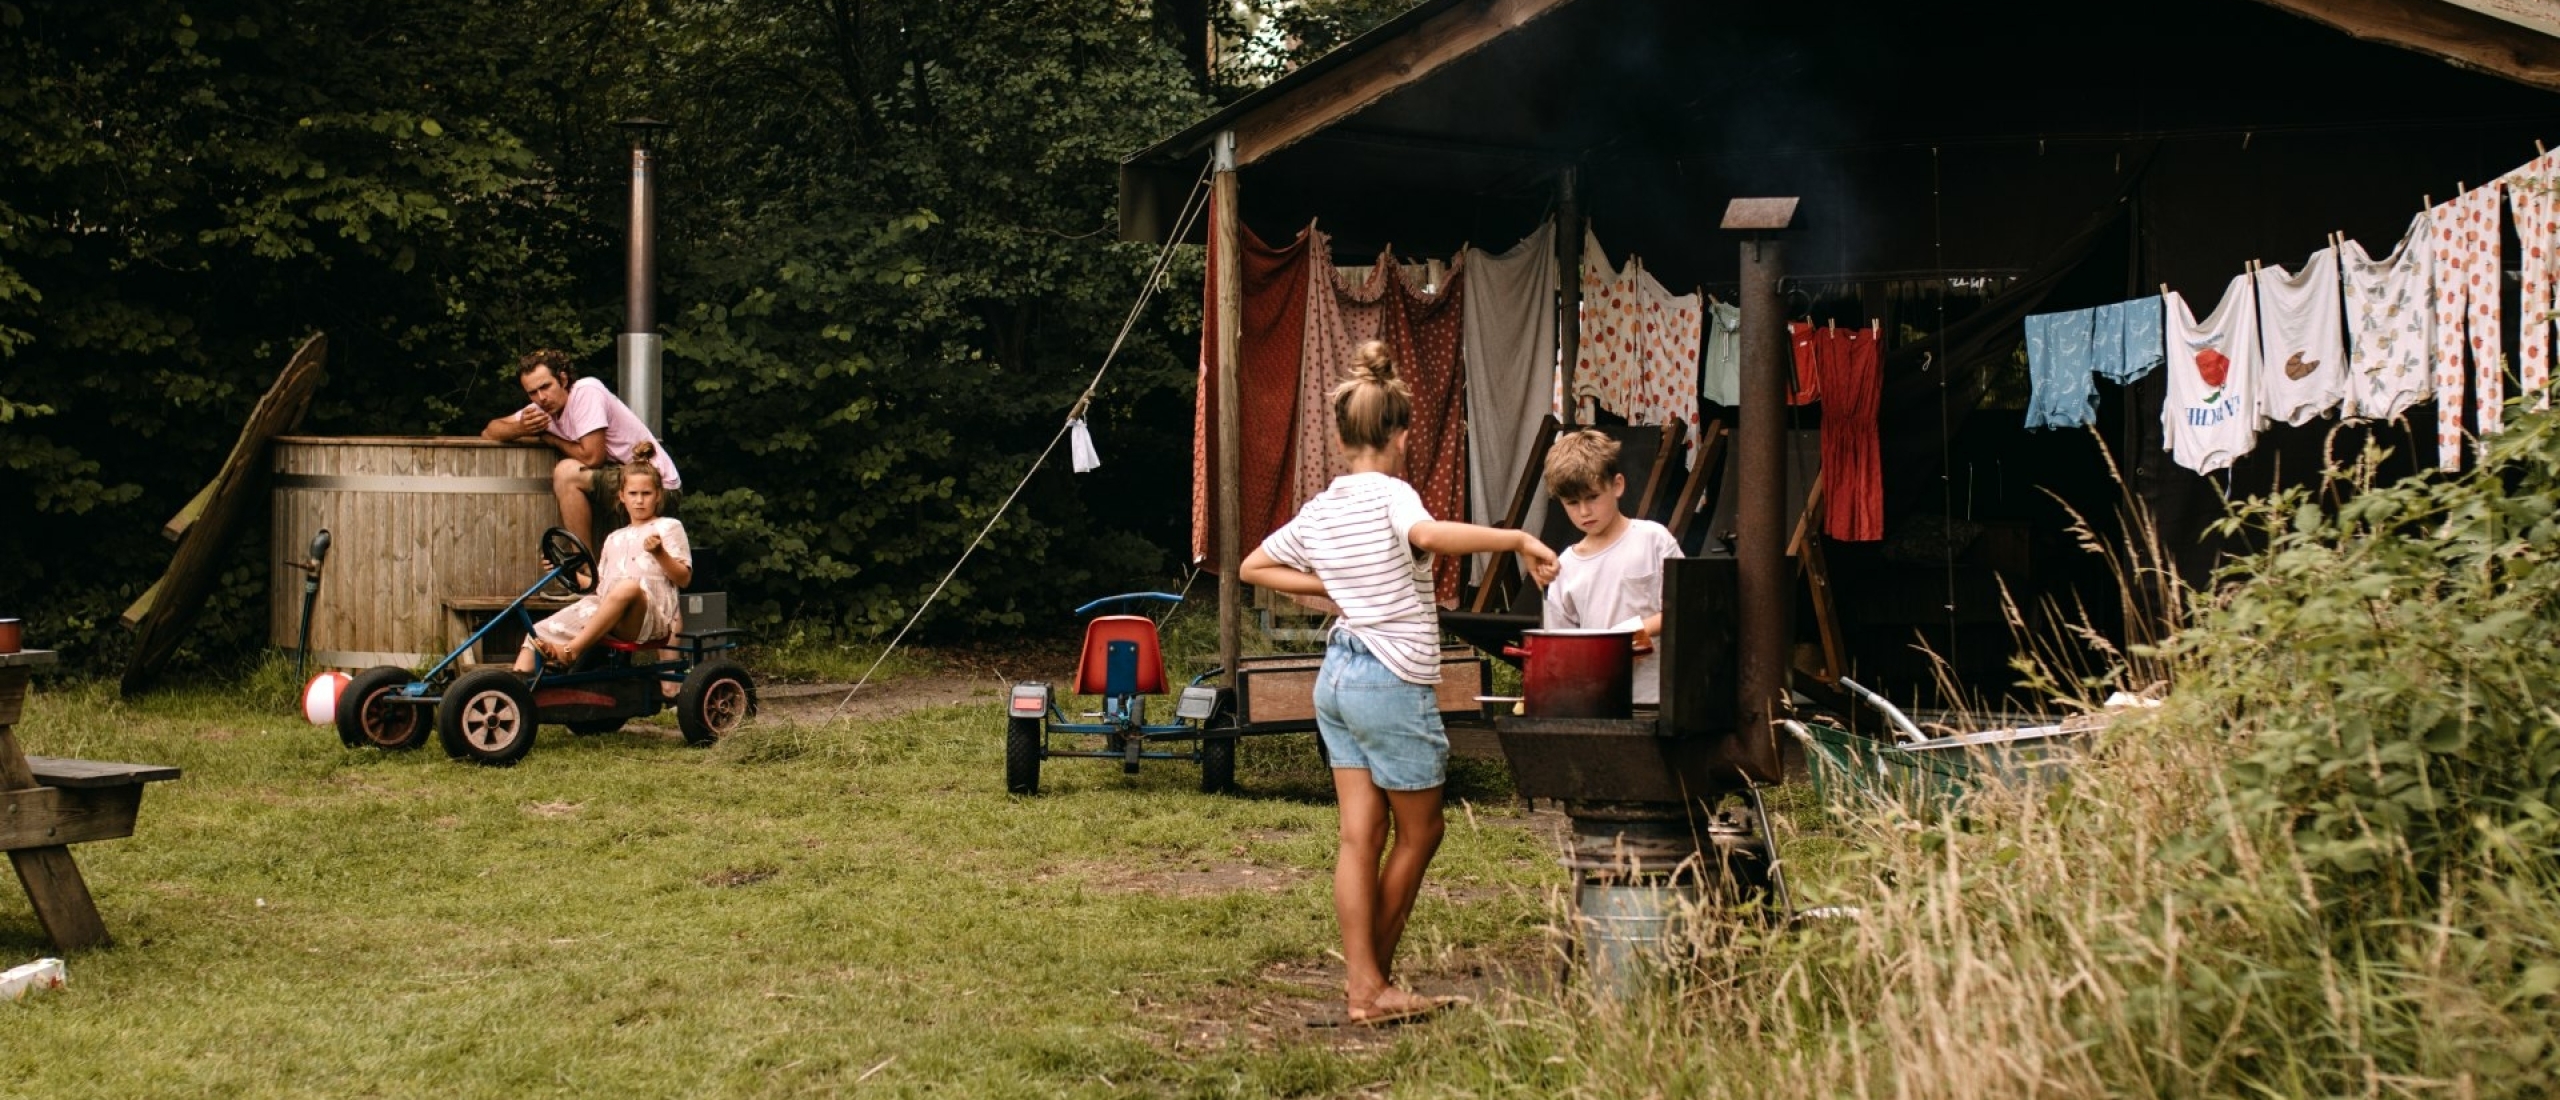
[[1394, 1005]]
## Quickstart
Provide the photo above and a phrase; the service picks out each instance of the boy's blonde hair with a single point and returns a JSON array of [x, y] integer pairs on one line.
[[1371, 405], [1580, 464]]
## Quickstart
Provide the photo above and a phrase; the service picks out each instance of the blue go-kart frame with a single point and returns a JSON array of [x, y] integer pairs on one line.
[[489, 714], [1122, 662]]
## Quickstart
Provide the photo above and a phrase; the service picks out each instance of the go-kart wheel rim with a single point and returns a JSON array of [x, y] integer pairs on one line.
[[724, 705], [491, 721], [387, 725]]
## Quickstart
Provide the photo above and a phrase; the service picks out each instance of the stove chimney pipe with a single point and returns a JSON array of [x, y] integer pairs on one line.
[[637, 352], [1760, 470]]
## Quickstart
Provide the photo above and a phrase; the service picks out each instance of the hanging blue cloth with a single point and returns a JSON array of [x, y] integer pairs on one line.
[[2068, 352], [2125, 340], [2058, 365]]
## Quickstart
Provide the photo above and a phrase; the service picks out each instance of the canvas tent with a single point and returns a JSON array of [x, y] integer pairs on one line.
[[1933, 144]]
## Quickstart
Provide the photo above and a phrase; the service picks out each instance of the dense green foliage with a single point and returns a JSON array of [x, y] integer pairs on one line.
[[2416, 742], [888, 249]]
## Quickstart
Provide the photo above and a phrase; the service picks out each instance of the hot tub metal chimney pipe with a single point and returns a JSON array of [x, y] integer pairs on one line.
[[637, 352]]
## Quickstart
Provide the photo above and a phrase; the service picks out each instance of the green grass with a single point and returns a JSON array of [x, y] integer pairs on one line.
[[799, 910]]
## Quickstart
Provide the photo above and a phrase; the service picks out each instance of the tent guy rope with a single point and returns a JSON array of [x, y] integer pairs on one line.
[[1191, 209]]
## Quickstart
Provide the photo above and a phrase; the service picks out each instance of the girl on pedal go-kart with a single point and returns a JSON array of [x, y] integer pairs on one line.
[[638, 571]]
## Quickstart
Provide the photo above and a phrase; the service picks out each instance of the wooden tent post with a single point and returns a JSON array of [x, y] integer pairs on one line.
[[1228, 246]]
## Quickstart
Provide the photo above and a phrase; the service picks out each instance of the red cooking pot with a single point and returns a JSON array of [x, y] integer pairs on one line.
[[1577, 673]]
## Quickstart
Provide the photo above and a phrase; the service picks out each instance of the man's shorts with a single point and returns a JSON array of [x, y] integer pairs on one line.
[[1371, 718], [604, 487]]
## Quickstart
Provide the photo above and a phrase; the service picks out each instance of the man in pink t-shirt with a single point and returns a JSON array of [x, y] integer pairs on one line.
[[594, 431]]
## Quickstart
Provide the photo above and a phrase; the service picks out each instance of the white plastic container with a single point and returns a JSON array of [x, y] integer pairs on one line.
[[40, 974]]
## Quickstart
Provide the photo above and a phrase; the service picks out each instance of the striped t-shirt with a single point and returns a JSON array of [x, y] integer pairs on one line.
[[1353, 536]]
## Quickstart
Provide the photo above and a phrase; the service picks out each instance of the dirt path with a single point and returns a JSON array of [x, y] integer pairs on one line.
[[877, 700]]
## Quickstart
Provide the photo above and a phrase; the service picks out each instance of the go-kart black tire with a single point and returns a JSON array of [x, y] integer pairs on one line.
[[1218, 754], [1217, 764], [364, 719], [593, 726], [487, 717], [717, 700], [1022, 755]]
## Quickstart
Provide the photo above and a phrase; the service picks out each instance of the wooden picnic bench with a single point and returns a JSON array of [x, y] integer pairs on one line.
[[49, 803]]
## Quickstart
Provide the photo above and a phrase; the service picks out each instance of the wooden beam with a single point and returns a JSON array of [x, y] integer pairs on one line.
[[2444, 29], [50, 817], [1391, 66], [187, 516], [1227, 248]]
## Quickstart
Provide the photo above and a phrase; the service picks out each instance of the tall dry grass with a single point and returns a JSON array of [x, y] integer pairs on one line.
[[2186, 916]]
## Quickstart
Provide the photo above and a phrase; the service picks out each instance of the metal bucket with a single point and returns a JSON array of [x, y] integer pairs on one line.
[[1628, 935]]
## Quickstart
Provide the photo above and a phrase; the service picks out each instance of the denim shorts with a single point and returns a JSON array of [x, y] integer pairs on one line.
[[1371, 719]]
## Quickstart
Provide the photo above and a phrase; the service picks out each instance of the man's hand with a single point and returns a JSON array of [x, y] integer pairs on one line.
[[516, 427]]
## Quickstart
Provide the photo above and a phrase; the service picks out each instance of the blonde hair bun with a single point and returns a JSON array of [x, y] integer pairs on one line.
[[1372, 362]]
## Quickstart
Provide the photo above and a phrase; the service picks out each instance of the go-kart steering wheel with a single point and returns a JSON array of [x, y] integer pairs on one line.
[[569, 561]]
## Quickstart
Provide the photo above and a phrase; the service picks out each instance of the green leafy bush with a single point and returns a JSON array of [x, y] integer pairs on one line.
[[2387, 663]]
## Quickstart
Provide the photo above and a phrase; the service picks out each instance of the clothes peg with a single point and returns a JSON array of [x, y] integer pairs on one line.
[[2429, 200], [2537, 147], [2164, 290]]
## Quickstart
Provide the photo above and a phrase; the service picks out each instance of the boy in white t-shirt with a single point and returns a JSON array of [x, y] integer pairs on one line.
[[1612, 579]]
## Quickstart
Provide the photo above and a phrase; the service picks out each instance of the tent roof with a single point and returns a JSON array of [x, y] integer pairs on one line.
[[1453, 95]]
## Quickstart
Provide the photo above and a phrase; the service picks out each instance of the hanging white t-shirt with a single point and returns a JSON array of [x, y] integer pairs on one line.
[[1597, 591], [2210, 417], [2303, 339], [2390, 323]]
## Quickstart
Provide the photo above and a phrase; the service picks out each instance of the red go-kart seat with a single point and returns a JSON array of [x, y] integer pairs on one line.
[[619, 646], [1093, 666]]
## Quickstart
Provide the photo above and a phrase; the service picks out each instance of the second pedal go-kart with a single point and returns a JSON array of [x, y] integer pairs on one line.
[[1123, 663], [489, 714]]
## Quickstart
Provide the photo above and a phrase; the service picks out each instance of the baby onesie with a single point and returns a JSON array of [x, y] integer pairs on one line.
[[2390, 323], [2210, 417], [2303, 338]]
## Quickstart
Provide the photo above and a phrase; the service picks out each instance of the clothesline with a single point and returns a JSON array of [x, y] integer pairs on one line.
[[2362, 337]]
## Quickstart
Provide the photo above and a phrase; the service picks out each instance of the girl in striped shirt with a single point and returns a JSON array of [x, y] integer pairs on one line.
[[1366, 543]]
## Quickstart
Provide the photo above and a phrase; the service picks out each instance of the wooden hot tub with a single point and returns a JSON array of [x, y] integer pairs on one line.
[[421, 531]]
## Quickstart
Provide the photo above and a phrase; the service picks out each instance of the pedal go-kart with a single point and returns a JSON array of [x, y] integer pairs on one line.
[[1122, 662], [489, 714]]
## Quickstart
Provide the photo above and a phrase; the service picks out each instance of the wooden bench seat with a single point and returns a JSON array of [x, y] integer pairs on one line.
[[62, 771], [48, 803]]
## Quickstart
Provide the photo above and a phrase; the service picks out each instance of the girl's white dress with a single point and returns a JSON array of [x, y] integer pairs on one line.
[[623, 558]]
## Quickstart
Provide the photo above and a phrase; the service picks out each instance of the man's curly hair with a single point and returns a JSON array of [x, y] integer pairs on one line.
[[554, 359]]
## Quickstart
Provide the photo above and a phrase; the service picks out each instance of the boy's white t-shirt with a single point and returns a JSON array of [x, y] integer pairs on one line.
[[1356, 537], [1623, 581]]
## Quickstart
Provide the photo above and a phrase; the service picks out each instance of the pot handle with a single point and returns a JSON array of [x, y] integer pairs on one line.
[[1641, 648], [1515, 651]]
